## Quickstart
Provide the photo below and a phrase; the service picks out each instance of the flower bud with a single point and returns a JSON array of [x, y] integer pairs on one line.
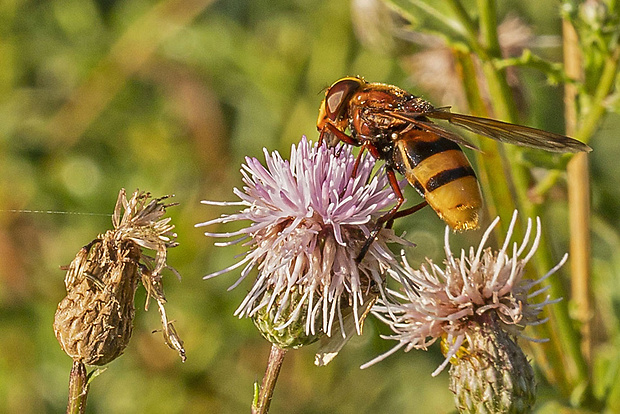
[[275, 326], [493, 376]]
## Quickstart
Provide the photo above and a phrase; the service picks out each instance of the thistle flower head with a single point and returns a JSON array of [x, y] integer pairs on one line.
[[94, 322], [308, 219], [480, 286]]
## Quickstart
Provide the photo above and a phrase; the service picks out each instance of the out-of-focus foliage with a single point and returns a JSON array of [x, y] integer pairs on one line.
[[169, 97]]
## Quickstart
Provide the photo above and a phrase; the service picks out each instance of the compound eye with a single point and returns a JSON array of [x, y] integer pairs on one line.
[[338, 96]]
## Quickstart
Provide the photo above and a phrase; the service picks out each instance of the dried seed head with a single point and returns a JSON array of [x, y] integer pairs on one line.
[[93, 323]]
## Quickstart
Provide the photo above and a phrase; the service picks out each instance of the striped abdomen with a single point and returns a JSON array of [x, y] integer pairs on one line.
[[440, 171]]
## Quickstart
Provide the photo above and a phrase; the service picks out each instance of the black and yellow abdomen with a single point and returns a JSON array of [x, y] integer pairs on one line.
[[440, 171]]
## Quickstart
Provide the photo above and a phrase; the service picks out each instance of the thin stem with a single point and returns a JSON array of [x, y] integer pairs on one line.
[[578, 200], [488, 158], [261, 402], [78, 389], [467, 23], [488, 27], [590, 122], [579, 213]]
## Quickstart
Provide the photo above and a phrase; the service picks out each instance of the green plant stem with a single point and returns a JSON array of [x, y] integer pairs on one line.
[[591, 120], [488, 27], [471, 31], [503, 108], [579, 214], [261, 402], [499, 196], [569, 367], [563, 367], [78, 389], [488, 159]]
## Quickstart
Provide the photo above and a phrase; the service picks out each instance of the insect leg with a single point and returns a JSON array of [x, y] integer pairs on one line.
[[366, 146], [387, 216], [329, 127], [406, 212]]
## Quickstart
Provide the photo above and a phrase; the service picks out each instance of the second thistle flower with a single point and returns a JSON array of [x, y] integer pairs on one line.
[[478, 305], [308, 219]]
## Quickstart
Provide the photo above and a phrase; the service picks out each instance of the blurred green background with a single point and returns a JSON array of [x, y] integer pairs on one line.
[[169, 97]]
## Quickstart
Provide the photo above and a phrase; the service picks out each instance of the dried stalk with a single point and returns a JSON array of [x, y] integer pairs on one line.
[[578, 200]]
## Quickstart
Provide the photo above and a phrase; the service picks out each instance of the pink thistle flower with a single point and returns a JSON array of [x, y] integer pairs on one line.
[[451, 302], [308, 220]]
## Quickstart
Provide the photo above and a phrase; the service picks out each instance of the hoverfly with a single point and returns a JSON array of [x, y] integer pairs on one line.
[[395, 126]]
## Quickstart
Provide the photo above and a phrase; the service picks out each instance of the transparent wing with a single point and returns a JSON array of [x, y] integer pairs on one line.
[[497, 130], [512, 133], [418, 120]]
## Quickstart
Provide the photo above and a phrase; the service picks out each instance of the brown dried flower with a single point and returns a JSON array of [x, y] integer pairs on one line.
[[93, 323]]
